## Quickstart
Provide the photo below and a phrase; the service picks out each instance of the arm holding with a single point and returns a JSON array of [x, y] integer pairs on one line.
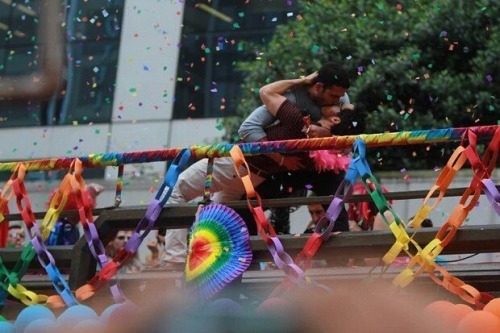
[[252, 129], [272, 94]]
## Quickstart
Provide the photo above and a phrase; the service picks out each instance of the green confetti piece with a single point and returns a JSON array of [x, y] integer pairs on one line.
[[97, 131], [315, 49], [132, 90], [241, 14], [389, 97], [415, 56], [406, 116], [491, 108], [207, 50], [240, 47], [236, 25]]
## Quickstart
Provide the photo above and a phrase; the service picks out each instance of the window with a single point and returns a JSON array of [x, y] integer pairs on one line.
[[213, 40], [91, 38]]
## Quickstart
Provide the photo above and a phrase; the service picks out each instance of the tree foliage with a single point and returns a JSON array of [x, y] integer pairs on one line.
[[419, 64]]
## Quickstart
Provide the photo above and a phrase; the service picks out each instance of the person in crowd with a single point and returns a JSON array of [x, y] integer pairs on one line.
[[157, 248], [16, 235], [118, 243]]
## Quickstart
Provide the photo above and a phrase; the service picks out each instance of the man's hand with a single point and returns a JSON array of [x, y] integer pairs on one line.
[[310, 78], [315, 131], [290, 162]]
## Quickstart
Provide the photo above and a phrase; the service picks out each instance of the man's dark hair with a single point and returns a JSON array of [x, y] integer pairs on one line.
[[352, 122], [333, 74]]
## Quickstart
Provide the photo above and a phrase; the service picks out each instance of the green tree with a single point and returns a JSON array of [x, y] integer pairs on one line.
[[417, 64]]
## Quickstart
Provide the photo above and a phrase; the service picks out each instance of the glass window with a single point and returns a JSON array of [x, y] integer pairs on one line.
[[213, 40], [92, 38]]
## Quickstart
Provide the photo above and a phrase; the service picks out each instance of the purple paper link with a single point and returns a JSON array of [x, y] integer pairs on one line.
[[102, 259], [149, 219], [42, 252], [93, 241], [273, 249], [492, 194], [285, 262], [298, 277], [133, 243], [117, 295]]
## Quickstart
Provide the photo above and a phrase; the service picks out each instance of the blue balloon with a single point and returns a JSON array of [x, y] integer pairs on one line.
[[41, 326], [7, 327], [107, 312], [30, 314], [75, 314], [89, 325], [224, 305]]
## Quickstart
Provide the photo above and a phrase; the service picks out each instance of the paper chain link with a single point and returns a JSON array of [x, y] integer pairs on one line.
[[403, 240], [86, 217], [145, 225], [10, 281], [45, 258], [282, 259], [425, 259], [492, 194]]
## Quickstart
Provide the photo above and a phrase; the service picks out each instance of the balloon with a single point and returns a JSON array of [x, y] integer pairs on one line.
[[6, 327], [41, 326], [32, 313], [273, 305], [479, 321], [437, 308], [75, 314], [89, 325], [107, 312], [493, 306], [125, 312], [440, 312], [454, 315], [224, 305]]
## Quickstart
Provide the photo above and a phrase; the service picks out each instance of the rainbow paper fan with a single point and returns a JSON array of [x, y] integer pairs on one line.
[[219, 250]]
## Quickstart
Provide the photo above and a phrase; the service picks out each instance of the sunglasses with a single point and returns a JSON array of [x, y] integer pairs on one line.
[[15, 234], [123, 237]]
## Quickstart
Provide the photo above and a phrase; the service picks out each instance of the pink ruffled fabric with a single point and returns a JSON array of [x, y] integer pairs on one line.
[[330, 160]]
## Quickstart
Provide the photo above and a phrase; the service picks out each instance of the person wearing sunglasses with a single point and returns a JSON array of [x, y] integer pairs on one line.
[[16, 236]]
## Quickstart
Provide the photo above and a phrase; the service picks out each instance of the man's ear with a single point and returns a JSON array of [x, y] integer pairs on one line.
[[318, 87]]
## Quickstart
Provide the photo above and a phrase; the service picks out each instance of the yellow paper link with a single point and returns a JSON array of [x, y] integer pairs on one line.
[[56, 206], [401, 243], [423, 212], [424, 259], [25, 296], [403, 240], [454, 164]]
